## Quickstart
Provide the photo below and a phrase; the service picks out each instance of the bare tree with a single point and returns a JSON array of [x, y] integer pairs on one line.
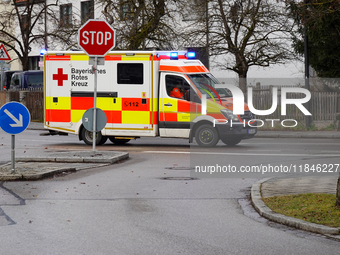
[[244, 33], [29, 24], [23, 17], [141, 24]]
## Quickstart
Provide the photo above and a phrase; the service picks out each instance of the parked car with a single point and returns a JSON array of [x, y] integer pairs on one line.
[[28, 80], [6, 79]]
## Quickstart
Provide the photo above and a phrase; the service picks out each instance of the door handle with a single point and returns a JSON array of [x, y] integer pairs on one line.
[[168, 104]]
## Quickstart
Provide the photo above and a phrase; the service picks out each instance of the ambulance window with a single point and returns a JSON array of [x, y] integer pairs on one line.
[[177, 87], [130, 73]]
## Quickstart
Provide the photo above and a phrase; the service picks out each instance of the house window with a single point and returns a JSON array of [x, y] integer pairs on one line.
[[33, 63], [66, 15], [87, 11], [126, 9]]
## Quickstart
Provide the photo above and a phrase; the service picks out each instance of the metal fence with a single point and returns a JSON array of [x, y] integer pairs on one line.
[[323, 105]]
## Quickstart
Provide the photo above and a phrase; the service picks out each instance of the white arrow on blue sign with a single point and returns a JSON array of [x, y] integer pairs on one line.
[[14, 118]]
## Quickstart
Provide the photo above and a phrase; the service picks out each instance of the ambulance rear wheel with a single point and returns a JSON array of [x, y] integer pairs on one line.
[[87, 136], [206, 136], [103, 140], [119, 141]]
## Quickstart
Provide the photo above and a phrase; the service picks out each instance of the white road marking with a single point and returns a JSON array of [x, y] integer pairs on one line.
[[243, 154]]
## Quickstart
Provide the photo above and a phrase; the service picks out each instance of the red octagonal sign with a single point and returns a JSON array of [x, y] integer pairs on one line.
[[96, 37]]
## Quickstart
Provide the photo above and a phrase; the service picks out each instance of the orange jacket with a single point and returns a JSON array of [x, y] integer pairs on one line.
[[177, 93]]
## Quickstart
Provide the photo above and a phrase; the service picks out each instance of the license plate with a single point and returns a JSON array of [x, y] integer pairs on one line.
[[251, 131]]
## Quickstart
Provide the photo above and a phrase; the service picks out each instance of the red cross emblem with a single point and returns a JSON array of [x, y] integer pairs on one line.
[[60, 77]]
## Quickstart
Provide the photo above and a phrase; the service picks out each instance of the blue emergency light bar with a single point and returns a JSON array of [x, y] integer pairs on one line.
[[191, 55], [42, 52], [174, 55]]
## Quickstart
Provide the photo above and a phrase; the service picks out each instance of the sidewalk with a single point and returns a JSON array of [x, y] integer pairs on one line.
[[42, 166], [288, 186], [299, 134]]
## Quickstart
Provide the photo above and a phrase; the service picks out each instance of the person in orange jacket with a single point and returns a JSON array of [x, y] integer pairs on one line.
[[177, 92]]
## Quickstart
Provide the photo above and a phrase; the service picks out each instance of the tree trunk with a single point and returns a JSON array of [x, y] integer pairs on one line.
[[242, 72], [243, 81], [338, 193], [24, 62]]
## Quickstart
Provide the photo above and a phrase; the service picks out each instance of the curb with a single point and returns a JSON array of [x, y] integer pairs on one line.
[[292, 135], [40, 167], [35, 177], [266, 212], [63, 158]]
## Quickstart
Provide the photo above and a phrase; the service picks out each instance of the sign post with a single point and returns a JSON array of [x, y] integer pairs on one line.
[[14, 119], [96, 38], [3, 53], [3, 56]]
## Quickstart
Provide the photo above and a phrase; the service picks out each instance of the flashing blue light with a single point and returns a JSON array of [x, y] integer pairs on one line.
[[191, 55], [42, 52], [174, 55]]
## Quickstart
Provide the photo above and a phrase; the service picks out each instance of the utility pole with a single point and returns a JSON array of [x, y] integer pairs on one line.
[[45, 18], [306, 69], [207, 31]]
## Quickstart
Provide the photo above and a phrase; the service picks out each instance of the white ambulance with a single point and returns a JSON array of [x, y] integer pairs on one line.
[[143, 94]]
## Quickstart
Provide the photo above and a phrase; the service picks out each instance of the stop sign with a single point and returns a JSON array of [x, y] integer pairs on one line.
[[96, 37]]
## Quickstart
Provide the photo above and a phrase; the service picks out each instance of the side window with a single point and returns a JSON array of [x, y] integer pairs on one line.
[[177, 87], [130, 74]]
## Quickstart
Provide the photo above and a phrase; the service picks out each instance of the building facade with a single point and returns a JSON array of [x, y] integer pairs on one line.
[[53, 25]]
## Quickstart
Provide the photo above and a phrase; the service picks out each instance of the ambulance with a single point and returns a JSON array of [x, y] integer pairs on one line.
[[135, 91]]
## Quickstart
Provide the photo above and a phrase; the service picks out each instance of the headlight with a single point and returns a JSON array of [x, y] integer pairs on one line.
[[229, 115]]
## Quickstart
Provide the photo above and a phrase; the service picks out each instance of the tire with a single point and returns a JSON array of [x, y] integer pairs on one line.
[[87, 137], [231, 142], [103, 140], [206, 136], [119, 141]]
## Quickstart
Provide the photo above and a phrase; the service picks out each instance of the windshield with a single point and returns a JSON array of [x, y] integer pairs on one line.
[[206, 84]]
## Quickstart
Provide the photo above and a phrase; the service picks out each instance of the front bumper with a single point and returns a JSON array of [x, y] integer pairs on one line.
[[236, 131]]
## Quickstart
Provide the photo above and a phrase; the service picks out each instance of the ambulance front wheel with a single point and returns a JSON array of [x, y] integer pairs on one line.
[[87, 136], [231, 142], [206, 136]]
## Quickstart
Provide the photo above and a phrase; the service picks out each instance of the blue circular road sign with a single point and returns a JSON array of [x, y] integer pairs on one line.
[[14, 118]]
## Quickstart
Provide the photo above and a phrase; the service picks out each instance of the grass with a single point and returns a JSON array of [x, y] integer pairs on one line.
[[316, 208]]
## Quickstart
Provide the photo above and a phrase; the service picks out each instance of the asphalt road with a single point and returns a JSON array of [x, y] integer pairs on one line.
[[152, 203]]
